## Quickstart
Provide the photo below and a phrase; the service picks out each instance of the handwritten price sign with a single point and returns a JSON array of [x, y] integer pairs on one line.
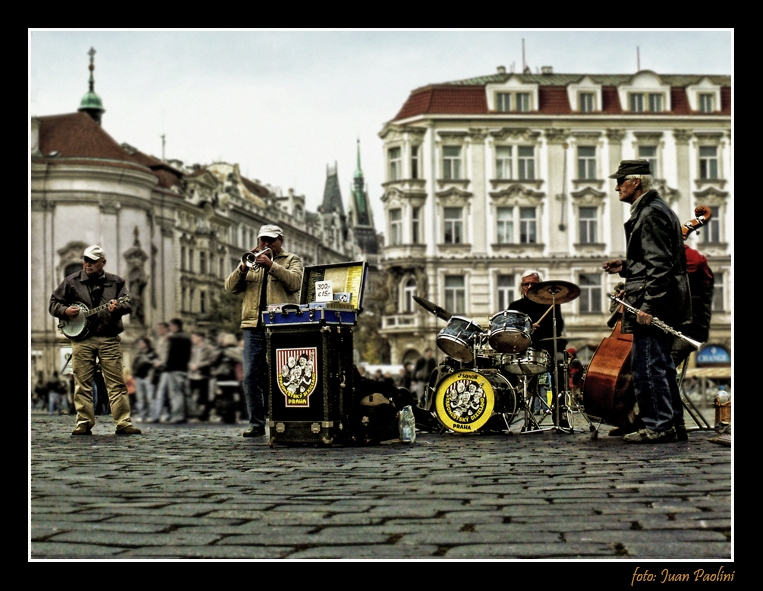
[[323, 291]]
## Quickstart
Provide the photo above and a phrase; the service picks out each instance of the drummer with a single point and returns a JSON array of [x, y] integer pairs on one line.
[[543, 331]]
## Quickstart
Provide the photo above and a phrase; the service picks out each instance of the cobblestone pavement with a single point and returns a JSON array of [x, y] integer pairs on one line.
[[201, 491]]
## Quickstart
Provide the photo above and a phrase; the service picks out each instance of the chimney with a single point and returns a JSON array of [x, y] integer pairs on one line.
[[501, 69], [547, 70]]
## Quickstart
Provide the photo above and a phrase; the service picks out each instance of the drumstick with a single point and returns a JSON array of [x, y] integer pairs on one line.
[[545, 314]]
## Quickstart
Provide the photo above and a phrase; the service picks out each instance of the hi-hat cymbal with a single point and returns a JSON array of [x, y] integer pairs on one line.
[[441, 313], [550, 292]]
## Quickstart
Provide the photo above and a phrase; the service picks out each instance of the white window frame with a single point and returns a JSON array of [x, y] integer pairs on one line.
[[451, 163], [395, 163], [523, 101], [651, 158], [396, 226], [504, 225], [503, 162], [588, 226], [706, 102], [636, 102], [656, 101], [453, 227], [454, 287], [528, 226], [504, 290], [586, 102], [710, 233], [416, 225], [503, 101], [709, 166], [586, 163], [415, 162], [590, 300], [525, 163], [409, 290]]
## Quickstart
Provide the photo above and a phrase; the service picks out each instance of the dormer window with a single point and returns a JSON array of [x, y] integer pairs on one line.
[[706, 103], [503, 101], [523, 102], [651, 101], [586, 102]]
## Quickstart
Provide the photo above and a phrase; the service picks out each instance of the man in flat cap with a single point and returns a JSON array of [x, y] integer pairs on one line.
[[656, 284], [99, 338], [274, 278]]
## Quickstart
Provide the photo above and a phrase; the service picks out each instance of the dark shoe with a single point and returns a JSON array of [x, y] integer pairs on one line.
[[82, 429], [621, 431], [254, 432], [129, 430], [649, 436], [176, 421], [681, 433]]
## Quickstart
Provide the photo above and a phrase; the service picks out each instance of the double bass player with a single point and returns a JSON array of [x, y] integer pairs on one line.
[[656, 285]]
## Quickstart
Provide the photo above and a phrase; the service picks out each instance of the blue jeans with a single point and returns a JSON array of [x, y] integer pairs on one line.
[[654, 379], [256, 377]]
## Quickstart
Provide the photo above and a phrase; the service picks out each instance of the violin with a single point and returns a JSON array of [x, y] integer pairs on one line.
[[702, 215]]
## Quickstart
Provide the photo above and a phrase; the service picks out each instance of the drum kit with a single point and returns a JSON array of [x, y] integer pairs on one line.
[[490, 375]]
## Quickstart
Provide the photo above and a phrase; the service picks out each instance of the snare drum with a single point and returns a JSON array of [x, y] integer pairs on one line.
[[457, 339], [465, 401], [529, 363], [510, 331]]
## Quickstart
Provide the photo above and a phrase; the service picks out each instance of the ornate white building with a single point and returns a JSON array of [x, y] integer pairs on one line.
[[491, 176]]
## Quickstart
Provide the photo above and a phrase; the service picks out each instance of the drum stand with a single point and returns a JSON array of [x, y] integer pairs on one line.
[[531, 424]]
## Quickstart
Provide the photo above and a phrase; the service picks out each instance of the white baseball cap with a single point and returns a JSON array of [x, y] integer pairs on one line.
[[94, 253], [270, 231]]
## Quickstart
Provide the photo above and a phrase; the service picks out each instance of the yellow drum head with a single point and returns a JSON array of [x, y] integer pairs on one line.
[[464, 401]]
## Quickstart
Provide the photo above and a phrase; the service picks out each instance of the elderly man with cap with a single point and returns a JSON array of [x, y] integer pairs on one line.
[[656, 284], [274, 278], [93, 287]]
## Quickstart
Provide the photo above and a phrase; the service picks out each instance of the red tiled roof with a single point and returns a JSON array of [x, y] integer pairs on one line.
[[679, 102], [78, 135], [610, 102], [255, 188], [443, 100], [726, 100], [554, 100]]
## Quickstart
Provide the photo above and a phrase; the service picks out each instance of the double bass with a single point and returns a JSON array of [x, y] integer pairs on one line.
[[608, 392]]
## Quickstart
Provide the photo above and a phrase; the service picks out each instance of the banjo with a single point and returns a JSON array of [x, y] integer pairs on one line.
[[76, 328]]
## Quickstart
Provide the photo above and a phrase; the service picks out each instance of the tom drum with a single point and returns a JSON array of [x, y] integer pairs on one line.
[[510, 331], [457, 339]]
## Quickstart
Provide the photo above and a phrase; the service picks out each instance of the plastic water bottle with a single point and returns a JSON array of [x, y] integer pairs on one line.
[[722, 407], [723, 396], [407, 425]]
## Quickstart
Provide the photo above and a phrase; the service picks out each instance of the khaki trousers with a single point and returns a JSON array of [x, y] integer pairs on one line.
[[109, 351]]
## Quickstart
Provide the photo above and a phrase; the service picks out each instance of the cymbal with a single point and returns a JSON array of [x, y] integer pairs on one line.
[[441, 313], [549, 292]]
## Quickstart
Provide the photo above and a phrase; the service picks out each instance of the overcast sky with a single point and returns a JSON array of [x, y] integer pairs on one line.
[[285, 104]]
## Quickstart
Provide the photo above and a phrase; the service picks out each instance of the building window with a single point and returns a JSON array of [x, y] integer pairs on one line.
[[414, 162], [191, 254], [182, 258], [718, 293], [395, 226], [203, 263], [523, 102], [505, 286], [455, 294], [706, 103], [191, 299], [586, 162], [416, 225], [451, 162], [587, 222], [409, 290], [528, 224], [453, 225], [503, 162], [526, 163], [586, 102], [222, 267], [655, 103], [708, 162], [711, 232], [503, 101], [649, 153], [202, 302], [504, 225], [637, 103], [184, 299], [590, 294], [394, 164]]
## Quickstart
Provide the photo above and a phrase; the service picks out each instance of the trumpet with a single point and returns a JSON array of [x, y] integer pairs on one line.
[[249, 258], [660, 324]]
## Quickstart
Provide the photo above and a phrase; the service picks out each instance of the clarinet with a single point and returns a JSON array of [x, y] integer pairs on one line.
[[660, 324]]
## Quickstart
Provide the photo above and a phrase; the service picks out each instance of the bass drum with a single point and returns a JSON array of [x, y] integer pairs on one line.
[[468, 401]]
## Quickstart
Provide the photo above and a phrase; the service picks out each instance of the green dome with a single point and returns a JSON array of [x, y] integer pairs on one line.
[[91, 102]]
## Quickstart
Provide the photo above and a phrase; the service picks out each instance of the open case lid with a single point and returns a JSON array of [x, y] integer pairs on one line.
[[347, 281]]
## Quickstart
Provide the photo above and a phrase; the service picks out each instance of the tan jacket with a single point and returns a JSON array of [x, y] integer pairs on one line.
[[284, 283]]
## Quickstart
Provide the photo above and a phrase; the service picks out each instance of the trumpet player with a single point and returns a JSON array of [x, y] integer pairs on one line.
[[656, 285], [266, 275]]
